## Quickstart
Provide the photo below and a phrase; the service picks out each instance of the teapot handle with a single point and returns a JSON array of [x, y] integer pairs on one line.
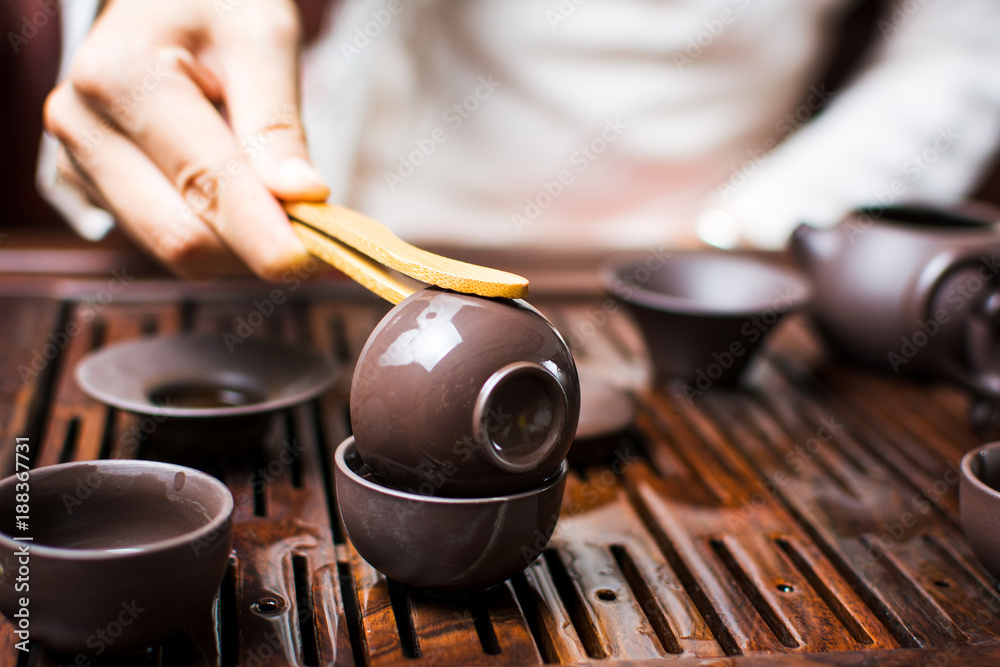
[[982, 375]]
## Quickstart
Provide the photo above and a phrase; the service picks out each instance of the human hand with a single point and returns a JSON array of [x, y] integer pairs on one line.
[[182, 119]]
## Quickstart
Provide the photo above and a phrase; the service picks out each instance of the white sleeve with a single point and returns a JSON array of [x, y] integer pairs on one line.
[[89, 221], [920, 122]]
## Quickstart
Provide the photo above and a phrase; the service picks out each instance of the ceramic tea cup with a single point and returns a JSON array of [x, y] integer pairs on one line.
[[979, 504], [444, 544], [704, 313], [462, 395], [122, 554]]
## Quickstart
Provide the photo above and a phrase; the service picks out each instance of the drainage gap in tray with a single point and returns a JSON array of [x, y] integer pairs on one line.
[[479, 608], [352, 613], [108, 437], [338, 334], [291, 440], [575, 605], [326, 466], [229, 633], [400, 600], [760, 603], [187, 315], [69, 442], [150, 326], [646, 599], [531, 608], [259, 487], [806, 569], [37, 420], [304, 605]]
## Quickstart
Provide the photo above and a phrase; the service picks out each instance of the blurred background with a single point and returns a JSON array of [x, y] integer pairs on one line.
[[28, 69]]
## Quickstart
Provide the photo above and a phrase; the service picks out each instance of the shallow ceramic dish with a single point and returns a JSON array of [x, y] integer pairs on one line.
[[473, 396], [123, 552], [606, 412], [979, 504], [444, 544], [204, 397], [704, 313]]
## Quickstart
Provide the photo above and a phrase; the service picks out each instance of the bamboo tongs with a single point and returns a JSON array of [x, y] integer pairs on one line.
[[362, 248]]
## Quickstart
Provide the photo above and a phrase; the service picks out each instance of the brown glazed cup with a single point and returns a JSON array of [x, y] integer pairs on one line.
[[704, 313], [979, 504], [123, 552], [444, 544], [459, 395]]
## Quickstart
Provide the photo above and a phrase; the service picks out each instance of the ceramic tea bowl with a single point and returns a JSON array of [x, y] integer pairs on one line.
[[464, 395], [123, 552], [202, 397], [444, 544], [979, 504], [704, 313]]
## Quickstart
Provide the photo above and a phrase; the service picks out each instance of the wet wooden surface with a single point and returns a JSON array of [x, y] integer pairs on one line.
[[809, 517]]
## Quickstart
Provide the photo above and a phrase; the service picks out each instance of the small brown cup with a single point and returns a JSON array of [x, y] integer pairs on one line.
[[123, 552], [444, 544], [704, 313], [459, 395], [979, 504]]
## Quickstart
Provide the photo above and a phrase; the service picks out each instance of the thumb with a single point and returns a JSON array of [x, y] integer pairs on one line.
[[260, 60]]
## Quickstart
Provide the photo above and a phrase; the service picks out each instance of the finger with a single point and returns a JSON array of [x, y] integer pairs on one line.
[[69, 172], [183, 134], [146, 205], [259, 59]]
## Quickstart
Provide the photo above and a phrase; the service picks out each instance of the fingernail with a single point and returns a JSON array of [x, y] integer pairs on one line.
[[298, 176]]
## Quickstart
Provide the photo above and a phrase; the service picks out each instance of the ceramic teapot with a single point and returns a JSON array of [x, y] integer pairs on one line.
[[913, 289]]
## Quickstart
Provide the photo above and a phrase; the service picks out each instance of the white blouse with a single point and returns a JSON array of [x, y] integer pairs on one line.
[[576, 124]]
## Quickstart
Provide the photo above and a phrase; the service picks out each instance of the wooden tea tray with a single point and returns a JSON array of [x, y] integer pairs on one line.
[[807, 518]]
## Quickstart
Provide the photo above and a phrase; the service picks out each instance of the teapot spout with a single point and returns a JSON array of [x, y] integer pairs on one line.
[[809, 245]]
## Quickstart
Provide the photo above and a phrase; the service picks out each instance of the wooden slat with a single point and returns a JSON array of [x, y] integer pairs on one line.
[[730, 524]]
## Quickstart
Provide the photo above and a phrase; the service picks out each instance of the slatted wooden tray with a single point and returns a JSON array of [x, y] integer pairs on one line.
[[810, 517]]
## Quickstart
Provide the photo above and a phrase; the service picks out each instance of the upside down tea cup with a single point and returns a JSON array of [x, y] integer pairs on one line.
[[462, 395]]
